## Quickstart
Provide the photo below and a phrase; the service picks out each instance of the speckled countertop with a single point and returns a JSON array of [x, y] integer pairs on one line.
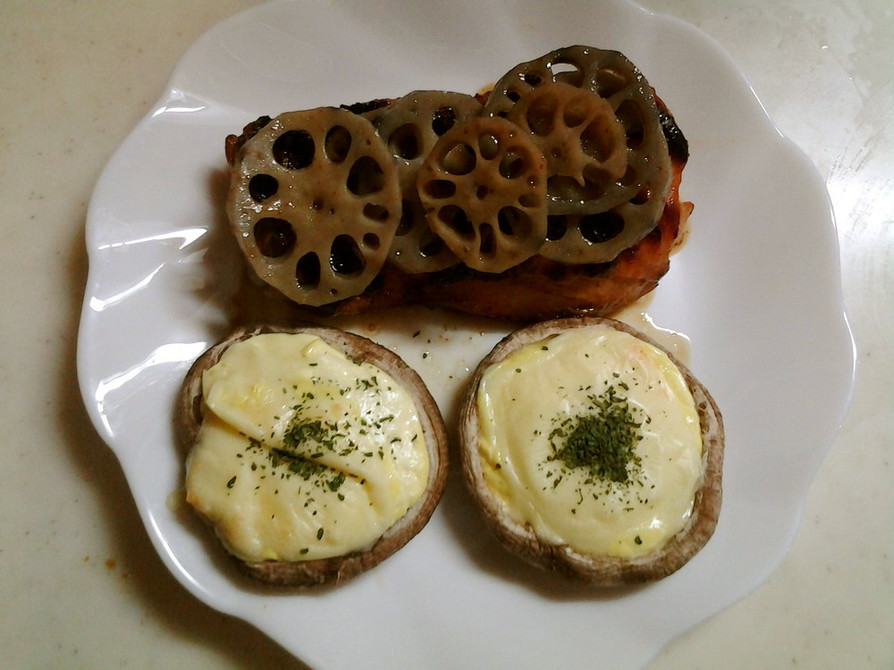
[[82, 585]]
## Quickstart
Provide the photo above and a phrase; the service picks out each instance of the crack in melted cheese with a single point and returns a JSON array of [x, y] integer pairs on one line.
[[522, 399], [303, 453]]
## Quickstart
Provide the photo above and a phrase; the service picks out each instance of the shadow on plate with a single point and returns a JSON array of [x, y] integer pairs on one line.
[[144, 579]]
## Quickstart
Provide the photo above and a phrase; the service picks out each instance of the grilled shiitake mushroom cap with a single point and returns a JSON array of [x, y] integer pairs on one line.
[[521, 539], [337, 569]]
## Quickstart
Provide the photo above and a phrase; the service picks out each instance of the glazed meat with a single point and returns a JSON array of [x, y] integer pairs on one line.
[[554, 194], [540, 288]]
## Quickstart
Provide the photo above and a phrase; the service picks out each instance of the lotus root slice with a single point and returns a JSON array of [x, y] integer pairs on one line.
[[315, 203]]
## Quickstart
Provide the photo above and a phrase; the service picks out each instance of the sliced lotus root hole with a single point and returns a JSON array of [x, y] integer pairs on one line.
[[338, 144], [456, 219], [514, 222], [460, 160], [366, 176], [440, 189], [599, 228], [641, 198], [410, 127], [483, 189], [610, 80], [274, 237], [433, 246], [376, 212], [578, 133], [631, 118], [405, 142], [345, 256], [426, 245], [326, 234], [562, 189], [512, 166], [589, 238], [307, 270], [567, 72], [408, 217], [262, 186], [446, 116], [294, 149]]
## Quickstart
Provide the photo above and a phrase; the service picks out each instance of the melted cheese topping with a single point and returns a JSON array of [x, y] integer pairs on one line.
[[303, 453], [526, 406]]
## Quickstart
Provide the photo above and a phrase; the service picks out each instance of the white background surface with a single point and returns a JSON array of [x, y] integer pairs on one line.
[[81, 584]]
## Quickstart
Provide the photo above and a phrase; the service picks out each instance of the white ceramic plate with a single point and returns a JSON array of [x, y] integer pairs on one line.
[[756, 288]]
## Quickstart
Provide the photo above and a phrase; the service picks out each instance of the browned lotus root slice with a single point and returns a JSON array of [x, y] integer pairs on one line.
[[410, 127], [315, 203], [639, 194], [576, 130], [483, 189]]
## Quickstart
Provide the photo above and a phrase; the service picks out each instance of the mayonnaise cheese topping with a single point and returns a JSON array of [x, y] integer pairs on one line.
[[303, 453], [592, 437]]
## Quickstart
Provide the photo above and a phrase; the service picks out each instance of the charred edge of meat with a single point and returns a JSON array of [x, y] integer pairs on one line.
[[552, 270], [234, 142], [368, 106], [678, 148], [677, 144]]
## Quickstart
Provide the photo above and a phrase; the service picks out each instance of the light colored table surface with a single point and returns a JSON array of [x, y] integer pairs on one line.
[[81, 584]]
